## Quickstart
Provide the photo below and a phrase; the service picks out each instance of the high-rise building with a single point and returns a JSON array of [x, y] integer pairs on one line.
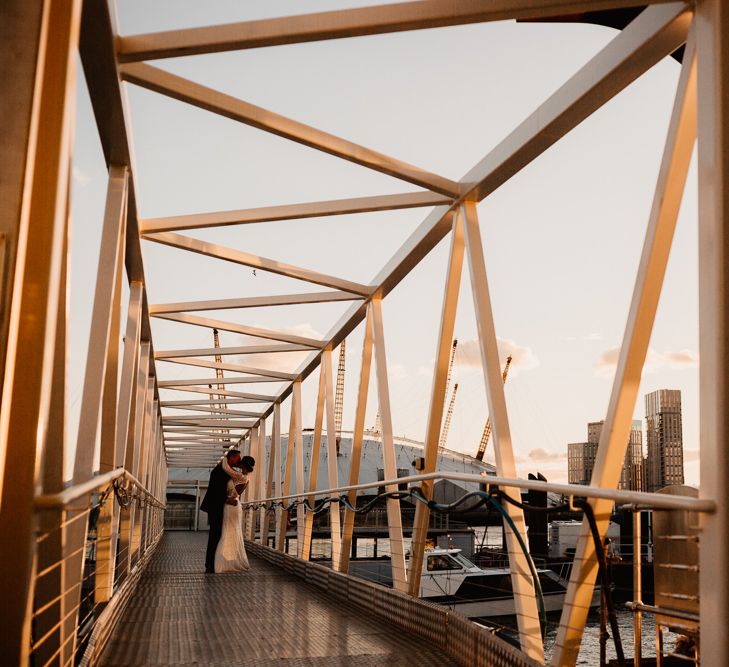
[[664, 461], [581, 457], [580, 462], [631, 477]]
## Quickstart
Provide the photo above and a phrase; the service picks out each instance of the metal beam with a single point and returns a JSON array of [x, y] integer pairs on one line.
[[338, 24], [20, 32], [254, 398], [255, 261], [205, 403], [276, 454], [195, 441], [210, 415], [712, 44], [332, 466], [191, 430], [357, 437], [235, 368], [437, 399], [657, 32], [207, 409], [184, 90], [644, 304], [286, 484], [298, 439], [256, 332], [45, 144], [314, 464], [525, 602], [208, 422], [178, 385], [111, 255], [389, 461], [294, 211], [261, 482], [255, 302]]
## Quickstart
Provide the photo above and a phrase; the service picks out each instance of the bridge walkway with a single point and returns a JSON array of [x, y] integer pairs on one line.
[[265, 617]]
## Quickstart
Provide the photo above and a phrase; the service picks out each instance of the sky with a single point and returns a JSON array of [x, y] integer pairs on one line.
[[561, 239]]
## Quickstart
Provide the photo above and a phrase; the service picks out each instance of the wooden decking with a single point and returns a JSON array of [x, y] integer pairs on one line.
[[265, 617]]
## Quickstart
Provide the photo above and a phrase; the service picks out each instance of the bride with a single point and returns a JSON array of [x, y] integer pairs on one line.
[[230, 555]]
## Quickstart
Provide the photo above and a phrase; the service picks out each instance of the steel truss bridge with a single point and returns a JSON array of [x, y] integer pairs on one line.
[[75, 556]]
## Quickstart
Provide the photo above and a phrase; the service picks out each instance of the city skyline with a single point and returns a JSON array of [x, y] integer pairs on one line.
[[663, 462]]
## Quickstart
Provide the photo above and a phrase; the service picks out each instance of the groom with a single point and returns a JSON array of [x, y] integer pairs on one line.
[[214, 503]]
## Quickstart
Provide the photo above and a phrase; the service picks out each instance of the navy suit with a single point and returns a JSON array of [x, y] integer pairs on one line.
[[214, 503]]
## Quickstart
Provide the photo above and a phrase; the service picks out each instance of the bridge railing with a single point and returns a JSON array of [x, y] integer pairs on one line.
[[93, 542], [258, 511]]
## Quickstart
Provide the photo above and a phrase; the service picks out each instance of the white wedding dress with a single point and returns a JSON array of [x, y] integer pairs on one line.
[[230, 555]]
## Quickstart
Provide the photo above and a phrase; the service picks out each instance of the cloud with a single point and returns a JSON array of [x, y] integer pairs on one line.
[[682, 358], [468, 355], [539, 455], [608, 361]]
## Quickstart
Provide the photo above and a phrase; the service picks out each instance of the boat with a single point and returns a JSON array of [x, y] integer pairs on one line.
[[450, 579]]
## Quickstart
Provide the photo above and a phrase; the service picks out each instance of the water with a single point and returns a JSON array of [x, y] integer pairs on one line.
[[590, 648]]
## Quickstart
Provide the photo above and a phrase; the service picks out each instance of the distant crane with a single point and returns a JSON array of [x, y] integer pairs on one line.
[[487, 429], [377, 428], [447, 422], [220, 408], [449, 412], [339, 395]]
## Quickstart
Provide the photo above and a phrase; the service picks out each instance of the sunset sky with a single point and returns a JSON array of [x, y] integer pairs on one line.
[[562, 239]]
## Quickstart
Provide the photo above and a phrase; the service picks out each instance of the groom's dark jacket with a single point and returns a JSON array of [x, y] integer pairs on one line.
[[217, 492]]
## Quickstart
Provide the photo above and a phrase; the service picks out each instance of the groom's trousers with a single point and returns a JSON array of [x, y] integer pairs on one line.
[[216, 530]]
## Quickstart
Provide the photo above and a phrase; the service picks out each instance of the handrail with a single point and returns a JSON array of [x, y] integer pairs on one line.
[[641, 498], [67, 496]]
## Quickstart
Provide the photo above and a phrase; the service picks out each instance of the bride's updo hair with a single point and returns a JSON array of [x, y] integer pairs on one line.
[[247, 463]]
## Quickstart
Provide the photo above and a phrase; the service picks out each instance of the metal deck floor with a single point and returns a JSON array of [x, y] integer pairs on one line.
[[265, 617]]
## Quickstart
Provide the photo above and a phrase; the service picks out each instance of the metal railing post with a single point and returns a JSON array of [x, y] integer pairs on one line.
[[277, 488], [314, 462], [299, 453], [261, 479], [637, 589], [134, 437], [712, 44], [286, 490], [49, 591]]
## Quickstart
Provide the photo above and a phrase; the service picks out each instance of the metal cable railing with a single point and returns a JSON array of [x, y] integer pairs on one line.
[[574, 500], [93, 539]]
